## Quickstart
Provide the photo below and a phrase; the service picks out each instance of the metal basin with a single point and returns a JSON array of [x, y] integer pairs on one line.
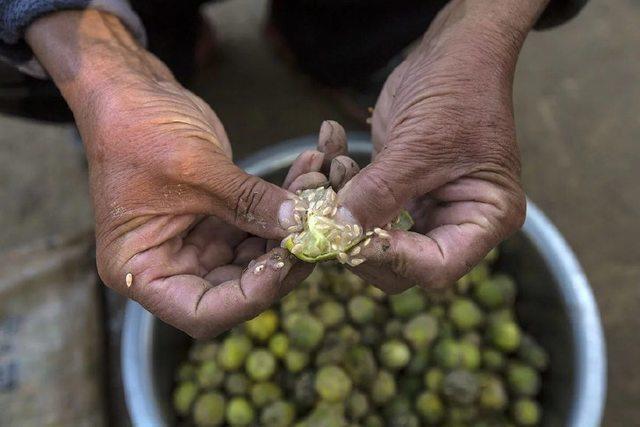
[[555, 304]]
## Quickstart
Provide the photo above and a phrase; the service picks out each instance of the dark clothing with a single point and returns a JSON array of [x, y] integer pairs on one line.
[[337, 42], [341, 42]]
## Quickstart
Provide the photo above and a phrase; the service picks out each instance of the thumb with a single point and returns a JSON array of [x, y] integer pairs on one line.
[[250, 203], [377, 194]]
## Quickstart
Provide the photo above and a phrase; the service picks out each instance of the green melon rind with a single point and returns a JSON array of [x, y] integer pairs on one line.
[[404, 221]]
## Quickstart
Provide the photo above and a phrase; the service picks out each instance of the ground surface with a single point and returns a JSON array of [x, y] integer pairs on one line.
[[577, 103]]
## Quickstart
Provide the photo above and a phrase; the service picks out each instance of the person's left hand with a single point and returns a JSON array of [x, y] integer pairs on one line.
[[444, 149]]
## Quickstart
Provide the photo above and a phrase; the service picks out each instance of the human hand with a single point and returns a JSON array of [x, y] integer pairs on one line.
[[173, 213], [445, 149]]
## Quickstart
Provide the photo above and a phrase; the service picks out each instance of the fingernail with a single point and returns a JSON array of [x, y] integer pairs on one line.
[[337, 173], [325, 133], [332, 137], [340, 167], [286, 216], [280, 261], [344, 216], [317, 159], [257, 269]]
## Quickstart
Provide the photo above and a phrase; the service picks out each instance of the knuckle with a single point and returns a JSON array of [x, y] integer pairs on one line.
[[116, 259], [383, 187], [189, 163], [438, 277], [412, 267], [103, 267], [519, 211], [248, 196], [392, 288], [179, 163], [108, 268], [258, 300], [400, 264], [377, 194], [433, 282], [440, 282], [261, 304], [514, 212], [199, 331]]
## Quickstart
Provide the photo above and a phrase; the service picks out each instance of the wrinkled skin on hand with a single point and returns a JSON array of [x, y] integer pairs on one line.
[[166, 207], [170, 204], [195, 270], [174, 215], [445, 148]]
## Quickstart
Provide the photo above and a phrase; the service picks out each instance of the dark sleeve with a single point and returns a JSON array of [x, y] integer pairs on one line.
[[16, 15], [558, 12]]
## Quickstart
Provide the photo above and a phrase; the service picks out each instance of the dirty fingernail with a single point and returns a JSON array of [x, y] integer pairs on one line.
[[332, 139], [337, 174], [280, 261], [257, 269], [317, 159], [325, 134], [288, 218]]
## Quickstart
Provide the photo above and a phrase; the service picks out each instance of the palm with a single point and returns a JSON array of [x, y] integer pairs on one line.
[[461, 194], [157, 240], [444, 147]]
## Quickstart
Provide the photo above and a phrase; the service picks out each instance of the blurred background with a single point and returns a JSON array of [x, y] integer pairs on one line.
[[577, 107]]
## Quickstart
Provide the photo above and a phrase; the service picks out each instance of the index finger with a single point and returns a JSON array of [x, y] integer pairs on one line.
[[332, 141], [193, 305], [434, 260]]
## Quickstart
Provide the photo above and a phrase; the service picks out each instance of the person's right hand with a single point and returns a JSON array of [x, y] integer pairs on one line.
[[172, 211]]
